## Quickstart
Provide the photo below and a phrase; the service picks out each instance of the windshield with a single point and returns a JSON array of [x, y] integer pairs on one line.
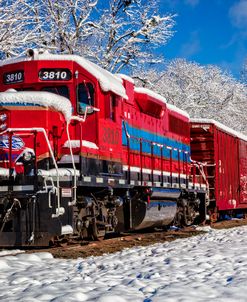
[[60, 90]]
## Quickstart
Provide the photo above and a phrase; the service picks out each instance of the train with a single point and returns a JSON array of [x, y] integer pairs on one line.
[[85, 153]]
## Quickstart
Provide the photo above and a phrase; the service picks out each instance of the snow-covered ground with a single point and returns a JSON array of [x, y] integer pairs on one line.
[[201, 268]]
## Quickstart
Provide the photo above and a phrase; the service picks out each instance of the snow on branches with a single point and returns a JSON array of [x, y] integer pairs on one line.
[[121, 36], [243, 73], [202, 91], [130, 31], [16, 27], [65, 25], [114, 35], [58, 25]]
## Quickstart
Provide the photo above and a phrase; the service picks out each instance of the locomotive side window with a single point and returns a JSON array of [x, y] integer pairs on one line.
[[60, 90], [110, 105], [85, 97]]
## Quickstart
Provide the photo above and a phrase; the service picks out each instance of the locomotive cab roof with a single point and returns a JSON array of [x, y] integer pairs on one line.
[[107, 81]]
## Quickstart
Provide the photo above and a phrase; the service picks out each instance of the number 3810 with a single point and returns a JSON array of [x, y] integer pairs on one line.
[[110, 136]]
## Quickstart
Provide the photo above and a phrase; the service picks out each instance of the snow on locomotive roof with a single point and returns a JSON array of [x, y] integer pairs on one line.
[[125, 77], [178, 110], [220, 126], [107, 81], [45, 99], [150, 93], [162, 99]]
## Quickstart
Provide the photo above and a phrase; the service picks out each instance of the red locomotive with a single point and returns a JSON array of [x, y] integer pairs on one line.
[[84, 152]]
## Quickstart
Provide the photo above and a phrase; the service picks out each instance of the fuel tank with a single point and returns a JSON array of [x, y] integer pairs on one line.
[[159, 211], [155, 213]]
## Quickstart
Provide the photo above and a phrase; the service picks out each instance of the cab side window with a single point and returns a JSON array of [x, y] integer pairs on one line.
[[85, 97], [110, 107]]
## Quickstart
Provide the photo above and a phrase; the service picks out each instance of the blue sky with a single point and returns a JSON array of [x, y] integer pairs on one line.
[[208, 32]]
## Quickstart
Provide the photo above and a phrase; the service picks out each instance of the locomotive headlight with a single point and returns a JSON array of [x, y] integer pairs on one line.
[[3, 126], [27, 156], [3, 117]]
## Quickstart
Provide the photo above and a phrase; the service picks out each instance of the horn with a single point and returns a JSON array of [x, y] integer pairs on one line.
[[30, 52]]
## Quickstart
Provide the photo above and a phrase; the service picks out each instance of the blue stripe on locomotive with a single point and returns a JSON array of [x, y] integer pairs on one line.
[[148, 137]]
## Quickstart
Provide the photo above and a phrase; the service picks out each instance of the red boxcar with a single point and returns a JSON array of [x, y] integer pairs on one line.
[[223, 151]]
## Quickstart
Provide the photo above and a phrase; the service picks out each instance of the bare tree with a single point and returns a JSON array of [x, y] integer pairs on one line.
[[66, 25], [243, 73], [123, 35], [58, 25], [130, 30], [17, 29]]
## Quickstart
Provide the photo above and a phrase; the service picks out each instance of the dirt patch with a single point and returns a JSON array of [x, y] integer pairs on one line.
[[98, 248], [226, 224]]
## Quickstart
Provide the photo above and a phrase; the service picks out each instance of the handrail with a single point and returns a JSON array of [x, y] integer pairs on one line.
[[81, 120], [162, 146], [199, 165], [73, 165]]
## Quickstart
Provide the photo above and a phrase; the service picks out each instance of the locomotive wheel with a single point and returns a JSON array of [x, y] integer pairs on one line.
[[214, 215], [63, 242], [179, 220], [97, 234], [58, 241]]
